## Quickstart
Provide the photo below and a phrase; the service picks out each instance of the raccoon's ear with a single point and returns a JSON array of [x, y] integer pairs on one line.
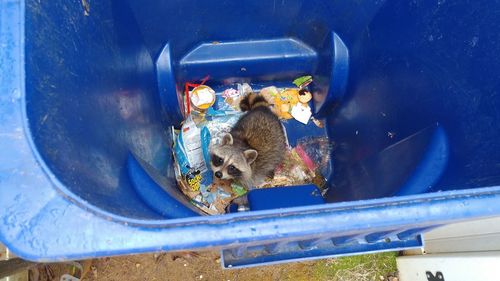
[[227, 139], [250, 155]]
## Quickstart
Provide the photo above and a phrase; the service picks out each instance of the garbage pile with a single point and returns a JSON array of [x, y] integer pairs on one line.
[[210, 114]]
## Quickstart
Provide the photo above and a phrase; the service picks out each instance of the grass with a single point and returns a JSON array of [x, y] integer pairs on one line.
[[356, 268]]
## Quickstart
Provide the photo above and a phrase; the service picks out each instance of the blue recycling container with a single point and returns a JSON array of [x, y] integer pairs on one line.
[[409, 92]]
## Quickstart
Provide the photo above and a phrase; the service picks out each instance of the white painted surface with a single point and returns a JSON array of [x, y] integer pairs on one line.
[[472, 236], [481, 266]]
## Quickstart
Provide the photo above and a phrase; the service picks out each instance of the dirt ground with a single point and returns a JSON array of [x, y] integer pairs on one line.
[[171, 267], [206, 266]]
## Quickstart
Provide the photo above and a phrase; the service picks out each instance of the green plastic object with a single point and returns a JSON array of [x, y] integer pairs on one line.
[[303, 81], [238, 189]]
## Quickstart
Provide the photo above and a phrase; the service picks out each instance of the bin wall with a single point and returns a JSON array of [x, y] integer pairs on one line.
[[91, 98], [418, 64]]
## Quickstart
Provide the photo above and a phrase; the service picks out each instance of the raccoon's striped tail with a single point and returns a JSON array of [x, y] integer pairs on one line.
[[252, 101]]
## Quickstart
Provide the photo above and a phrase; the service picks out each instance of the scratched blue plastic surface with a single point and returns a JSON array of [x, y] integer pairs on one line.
[[409, 91]]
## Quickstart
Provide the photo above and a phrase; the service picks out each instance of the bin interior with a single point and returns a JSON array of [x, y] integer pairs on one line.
[[417, 112]]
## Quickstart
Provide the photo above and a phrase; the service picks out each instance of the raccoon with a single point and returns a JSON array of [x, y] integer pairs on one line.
[[254, 147]]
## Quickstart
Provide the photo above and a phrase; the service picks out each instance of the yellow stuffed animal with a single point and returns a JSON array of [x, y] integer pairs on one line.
[[284, 102]]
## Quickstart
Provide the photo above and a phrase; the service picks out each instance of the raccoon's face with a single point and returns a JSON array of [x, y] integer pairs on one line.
[[229, 161]]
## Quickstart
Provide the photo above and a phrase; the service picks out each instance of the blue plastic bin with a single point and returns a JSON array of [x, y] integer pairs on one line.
[[409, 91]]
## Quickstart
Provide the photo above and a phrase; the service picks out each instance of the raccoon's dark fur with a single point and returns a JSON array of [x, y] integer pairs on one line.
[[255, 146]]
